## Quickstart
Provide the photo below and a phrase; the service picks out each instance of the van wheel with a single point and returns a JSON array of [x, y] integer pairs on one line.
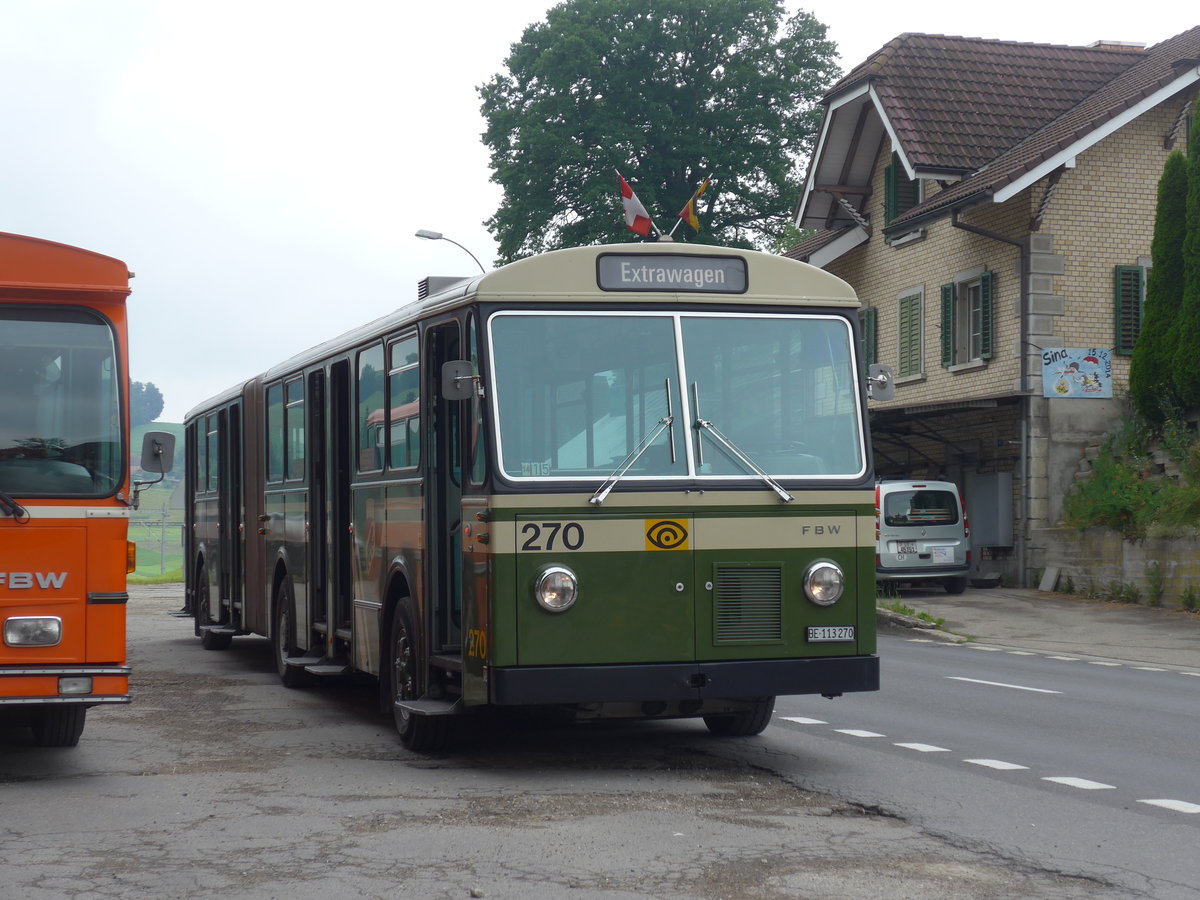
[[956, 585], [58, 726], [208, 640], [420, 733], [743, 724], [285, 639]]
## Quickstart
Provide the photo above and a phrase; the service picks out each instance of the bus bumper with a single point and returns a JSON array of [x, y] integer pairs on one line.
[[516, 686], [87, 685]]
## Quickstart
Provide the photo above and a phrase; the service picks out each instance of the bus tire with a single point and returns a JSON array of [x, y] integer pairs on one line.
[[743, 724], [422, 734], [58, 726], [285, 638], [208, 640]]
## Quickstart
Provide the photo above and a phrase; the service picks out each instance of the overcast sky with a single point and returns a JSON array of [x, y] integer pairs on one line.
[[262, 166]]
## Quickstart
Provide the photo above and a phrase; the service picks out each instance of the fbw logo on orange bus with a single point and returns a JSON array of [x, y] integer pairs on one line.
[[666, 534]]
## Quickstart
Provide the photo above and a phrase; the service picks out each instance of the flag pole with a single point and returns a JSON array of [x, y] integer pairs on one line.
[[689, 205]]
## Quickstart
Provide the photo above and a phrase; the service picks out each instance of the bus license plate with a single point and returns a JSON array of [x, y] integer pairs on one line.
[[826, 634], [906, 548]]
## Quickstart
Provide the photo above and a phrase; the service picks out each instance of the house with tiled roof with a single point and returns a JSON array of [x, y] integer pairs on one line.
[[992, 203]]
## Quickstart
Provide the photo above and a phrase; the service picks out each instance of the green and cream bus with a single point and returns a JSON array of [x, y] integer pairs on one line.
[[624, 481]]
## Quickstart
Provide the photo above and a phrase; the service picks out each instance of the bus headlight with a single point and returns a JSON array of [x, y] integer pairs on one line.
[[32, 631], [824, 583], [555, 588]]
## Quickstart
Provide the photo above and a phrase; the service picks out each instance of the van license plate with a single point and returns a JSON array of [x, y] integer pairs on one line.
[[906, 547], [827, 634]]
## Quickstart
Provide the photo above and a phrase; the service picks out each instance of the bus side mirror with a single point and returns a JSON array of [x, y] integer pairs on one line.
[[458, 380], [158, 455], [881, 382]]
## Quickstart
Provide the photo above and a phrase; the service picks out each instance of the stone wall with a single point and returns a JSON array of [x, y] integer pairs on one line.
[[1098, 558]]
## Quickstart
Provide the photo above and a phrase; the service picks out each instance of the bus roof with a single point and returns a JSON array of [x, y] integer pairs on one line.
[[569, 276], [29, 263]]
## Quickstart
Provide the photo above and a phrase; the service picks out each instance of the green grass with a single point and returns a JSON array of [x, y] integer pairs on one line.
[[897, 607]]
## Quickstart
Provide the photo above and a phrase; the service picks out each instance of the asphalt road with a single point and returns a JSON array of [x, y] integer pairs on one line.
[[217, 780], [1078, 764]]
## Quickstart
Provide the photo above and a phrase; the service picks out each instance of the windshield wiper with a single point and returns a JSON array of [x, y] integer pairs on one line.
[[744, 459], [611, 481], [13, 508]]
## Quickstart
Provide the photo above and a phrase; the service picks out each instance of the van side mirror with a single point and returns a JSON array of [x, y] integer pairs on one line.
[[881, 382], [158, 455]]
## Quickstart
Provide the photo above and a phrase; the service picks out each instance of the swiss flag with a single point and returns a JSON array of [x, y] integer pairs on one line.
[[636, 217]]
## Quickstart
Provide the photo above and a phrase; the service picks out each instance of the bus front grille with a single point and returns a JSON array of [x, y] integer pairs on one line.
[[749, 603]]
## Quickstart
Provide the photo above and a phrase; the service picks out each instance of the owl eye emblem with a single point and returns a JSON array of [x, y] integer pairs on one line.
[[666, 535]]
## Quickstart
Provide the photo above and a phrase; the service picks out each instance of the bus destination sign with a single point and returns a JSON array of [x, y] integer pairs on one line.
[[671, 272]]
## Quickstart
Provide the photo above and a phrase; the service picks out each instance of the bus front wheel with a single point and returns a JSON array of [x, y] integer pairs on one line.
[[743, 724], [420, 733], [58, 726]]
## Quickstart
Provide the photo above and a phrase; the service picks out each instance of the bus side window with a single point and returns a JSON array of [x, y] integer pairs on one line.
[[274, 433], [404, 394], [294, 415], [371, 406]]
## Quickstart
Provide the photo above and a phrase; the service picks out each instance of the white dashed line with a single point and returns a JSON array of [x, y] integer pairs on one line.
[[1175, 805], [1065, 658], [801, 720], [1082, 783], [1096, 662], [1015, 687], [985, 649], [1193, 674], [995, 764], [857, 732], [1021, 653], [924, 748], [1149, 669]]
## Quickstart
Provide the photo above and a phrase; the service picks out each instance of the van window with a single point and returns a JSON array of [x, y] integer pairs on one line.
[[920, 507]]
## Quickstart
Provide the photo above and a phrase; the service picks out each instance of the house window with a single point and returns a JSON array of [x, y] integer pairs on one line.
[[910, 335], [870, 336], [1129, 292], [901, 193], [967, 332]]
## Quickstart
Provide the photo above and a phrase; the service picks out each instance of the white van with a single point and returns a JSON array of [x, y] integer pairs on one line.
[[921, 534]]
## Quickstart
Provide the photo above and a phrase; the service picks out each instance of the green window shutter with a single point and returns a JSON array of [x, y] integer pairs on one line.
[[910, 335], [900, 192], [1127, 306], [987, 290], [870, 336], [947, 325]]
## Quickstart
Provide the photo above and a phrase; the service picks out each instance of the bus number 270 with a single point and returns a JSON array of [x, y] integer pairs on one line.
[[552, 536]]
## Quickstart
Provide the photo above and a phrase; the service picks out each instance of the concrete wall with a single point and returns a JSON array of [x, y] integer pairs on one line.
[[1098, 558]]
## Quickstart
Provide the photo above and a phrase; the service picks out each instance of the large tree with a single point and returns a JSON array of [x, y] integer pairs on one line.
[[667, 93], [145, 403], [1187, 350], [1151, 372]]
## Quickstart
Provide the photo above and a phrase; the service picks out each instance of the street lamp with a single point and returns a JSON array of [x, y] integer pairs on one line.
[[427, 235]]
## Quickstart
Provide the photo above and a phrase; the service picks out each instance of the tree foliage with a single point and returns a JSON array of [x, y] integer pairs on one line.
[[1151, 383], [667, 93], [145, 403], [1187, 350]]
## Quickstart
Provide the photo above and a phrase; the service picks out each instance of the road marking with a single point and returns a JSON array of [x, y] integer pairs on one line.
[[1194, 674], [801, 720], [995, 764], [1096, 662], [1065, 658], [1149, 669], [1022, 653], [985, 649], [1015, 687], [924, 748], [1176, 805], [1082, 783], [856, 732]]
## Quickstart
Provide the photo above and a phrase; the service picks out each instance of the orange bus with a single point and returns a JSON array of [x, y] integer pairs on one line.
[[65, 490]]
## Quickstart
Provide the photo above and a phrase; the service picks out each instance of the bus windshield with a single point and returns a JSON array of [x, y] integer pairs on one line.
[[577, 395], [60, 417]]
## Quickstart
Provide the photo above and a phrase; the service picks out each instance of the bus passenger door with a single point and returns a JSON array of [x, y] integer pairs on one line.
[[443, 498]]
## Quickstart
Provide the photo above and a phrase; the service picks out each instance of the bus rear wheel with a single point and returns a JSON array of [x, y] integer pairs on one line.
[[743, 724], [285, 639], [419, 733], [58, 726], [208, 640]]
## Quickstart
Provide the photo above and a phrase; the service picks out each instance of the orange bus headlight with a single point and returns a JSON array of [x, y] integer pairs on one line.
[[32, 631]]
